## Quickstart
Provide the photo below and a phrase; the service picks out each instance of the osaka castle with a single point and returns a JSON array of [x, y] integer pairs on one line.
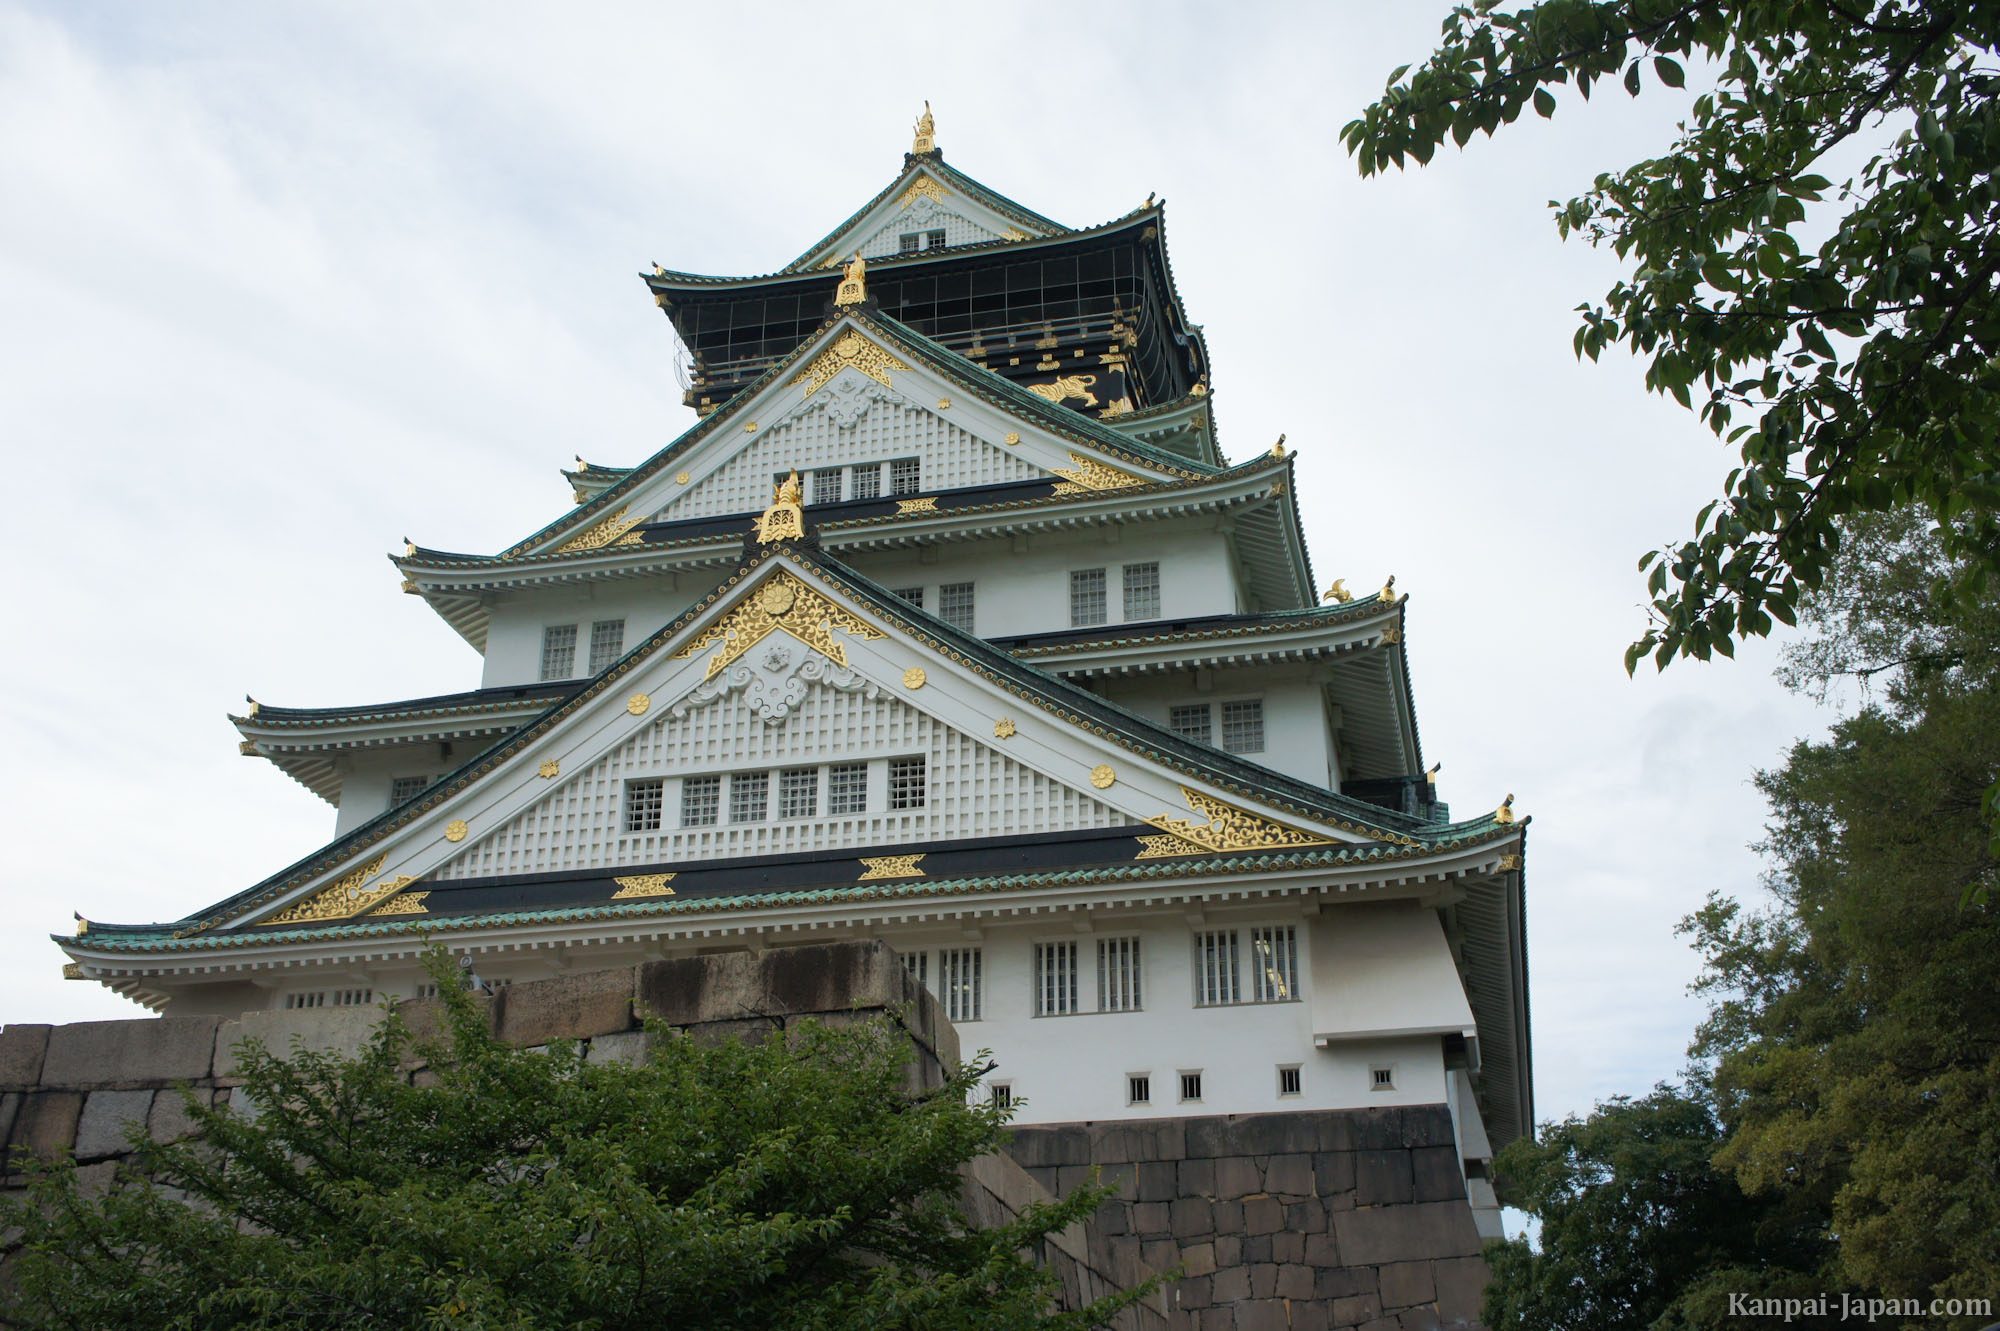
[[949, 624]]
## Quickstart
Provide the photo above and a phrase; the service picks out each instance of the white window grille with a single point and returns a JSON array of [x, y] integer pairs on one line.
[[1382, 1079], [1216, 978], [906, 476], [908, 242], [558, 651], [749, 797], [1274, 952], [1142, 591], [316, 998], [1118, 975], [867, 482], [960, 972], [798, 792], [701, 798], [644, 801], [1139, 1089], [1190, 721], [1002, 1093], [1190, 1086], [1288, 1080], [1086, 597], [607, 643], [918, 966], [826, 486], [353, 997], [955, 605], [914, 595], [846, 789], [933, 240], [1055, 979], [907, 781], [406, 787], [1243, 726]]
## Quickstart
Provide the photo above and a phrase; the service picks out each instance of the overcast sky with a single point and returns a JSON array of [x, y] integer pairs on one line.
[[282, 284]]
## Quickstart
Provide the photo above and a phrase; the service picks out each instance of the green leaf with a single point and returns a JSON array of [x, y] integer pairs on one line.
[[1545, 103], [1632, 79], [1669, 72]]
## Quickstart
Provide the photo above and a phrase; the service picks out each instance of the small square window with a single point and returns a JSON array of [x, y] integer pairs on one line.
[[643, 802], [1190, 1086], [907, 781], [406, 788], [1086, 597], [1243, 726], [868, 481], [1288, 1080], [914, 595], [798, 792], [1139, 1089], [906, 476], [1382, 1078], [933, 240], [701, 800], [558, 651], [1190, 721], [846, 789], [749, 797], [826, 486], [1142, 591], [607, 643], [1002, 1093], [908, 242], [955, 605]]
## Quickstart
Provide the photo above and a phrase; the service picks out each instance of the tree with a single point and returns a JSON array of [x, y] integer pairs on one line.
[[1639, 1228], [1856, 376], [791, 1182]]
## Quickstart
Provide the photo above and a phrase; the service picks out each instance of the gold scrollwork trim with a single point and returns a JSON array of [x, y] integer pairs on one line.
[[890, 866], [347, 895], [643, 885], [614, 530], [409, 903], [1089, 474], [1227, 829], [923, 188], [927, 504], [850, 348], [784, 603]]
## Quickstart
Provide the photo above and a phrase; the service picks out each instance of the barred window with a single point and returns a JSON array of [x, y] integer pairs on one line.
[[1142, 591], [1243, 726], [846, 789], [868, 481], [955, 605], [315, 999], [933, 240], [1216, 978], [907, 242], [1055, 979], [917, 964], [798, 792], [353, 997], [1086, 597], [607, 643], [558, 651], [643, 802], [701, 797], [826, 486], [1002, 1093], [1191, 1086], [1288, 1080], [959, 972], [1139, 1089], [749, 797], [406, 787], [1117, 974], [1274, 954], [914, 595], [906, 476], [1190, 721], [906, 783]]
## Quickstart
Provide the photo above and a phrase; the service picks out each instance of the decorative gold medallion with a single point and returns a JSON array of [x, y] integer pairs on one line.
[[680, 478], [455, 830], [1013, 437], [1102, 776], [643, 885], [890, 866], [1003, 728], [550, 769], [914, 677], [944, 404], [808, 616], [749, 427], [638, 703]]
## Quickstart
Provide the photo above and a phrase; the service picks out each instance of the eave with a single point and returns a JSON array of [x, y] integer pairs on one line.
[[1185, 426]]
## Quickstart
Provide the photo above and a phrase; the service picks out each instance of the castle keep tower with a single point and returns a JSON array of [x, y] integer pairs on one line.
[[949, 625]]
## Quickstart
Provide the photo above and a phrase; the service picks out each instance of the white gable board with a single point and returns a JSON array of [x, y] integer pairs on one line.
[[920, 204]]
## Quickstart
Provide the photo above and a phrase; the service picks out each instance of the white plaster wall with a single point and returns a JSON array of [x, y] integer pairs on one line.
[[366, 777], [1385, 967], [515, 624], [1297, 739], [926, 215]]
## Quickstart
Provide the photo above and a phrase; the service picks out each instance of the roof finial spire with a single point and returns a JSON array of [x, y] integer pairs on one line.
[[926, 136], [1338, 592], [853, 287]]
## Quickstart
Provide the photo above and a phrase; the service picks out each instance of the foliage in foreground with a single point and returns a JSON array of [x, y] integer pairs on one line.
[[793, 1182], [1856, 377], [1843, 1130]]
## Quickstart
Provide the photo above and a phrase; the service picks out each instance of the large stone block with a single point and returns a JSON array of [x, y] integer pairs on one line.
[[1237, 1176], [1158, 1182], [45, 1125], [1295, 1281], [1253, 1134], [1382, 1178], [107, 1115], [1333, 1173], [1263, 1314], [1461, 1283], [1355, 1310], [1435, 1174], [1406, 1284], [1420, 1319], [21, 1048], [1196, 1178], [567, 1007], [1289, 1175], [169, 1119], [1427, 1125], [112, 1054], [1148, 1139], [1263, 1215], [320, 1030], [1061, 1144], [1370, 1236], [1192, 1218]]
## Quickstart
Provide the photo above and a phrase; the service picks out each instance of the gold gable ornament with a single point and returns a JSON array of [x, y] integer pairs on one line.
[[925, 138], [853, 288], [782, 604], [784, 520], [1227, 830]]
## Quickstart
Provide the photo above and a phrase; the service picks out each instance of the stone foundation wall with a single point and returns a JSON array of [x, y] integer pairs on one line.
[[1308, 1221]]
